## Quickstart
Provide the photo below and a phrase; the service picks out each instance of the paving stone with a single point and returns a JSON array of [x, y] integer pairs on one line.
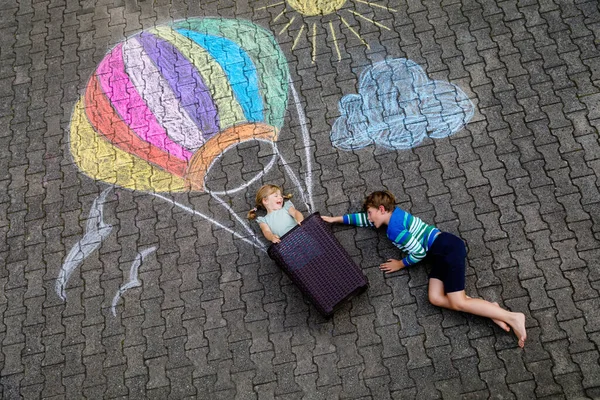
[[518, 184], [588, 363], [549, 324], [537, 293], [488, 358], [571, 385], [515, 367], [425, 387], [496, 382], [416, 352], [562, 360], [467, 368], [523, 390]]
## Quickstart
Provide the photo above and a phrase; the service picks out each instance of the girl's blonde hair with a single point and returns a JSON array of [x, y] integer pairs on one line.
[[264, 192]]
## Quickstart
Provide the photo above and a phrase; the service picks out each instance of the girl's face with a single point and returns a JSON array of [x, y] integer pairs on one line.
[[273, 202]]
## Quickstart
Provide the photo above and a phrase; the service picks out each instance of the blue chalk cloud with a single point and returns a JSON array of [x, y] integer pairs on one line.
[[398, 106]]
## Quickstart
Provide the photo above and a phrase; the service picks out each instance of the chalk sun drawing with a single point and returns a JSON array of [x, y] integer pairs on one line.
[[319, 8], [133, 280], [166, 104], [96, 230], [398, 106]]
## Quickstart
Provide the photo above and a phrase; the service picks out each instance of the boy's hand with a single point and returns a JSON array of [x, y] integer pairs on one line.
[[275, 239], [391, 265], [332, 220]]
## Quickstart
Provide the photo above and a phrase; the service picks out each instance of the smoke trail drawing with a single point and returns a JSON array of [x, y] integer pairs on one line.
[[133, 280], [95, 232]]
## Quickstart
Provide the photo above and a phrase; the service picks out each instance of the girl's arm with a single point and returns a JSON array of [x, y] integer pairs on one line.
[[297, 215], [270, 236]]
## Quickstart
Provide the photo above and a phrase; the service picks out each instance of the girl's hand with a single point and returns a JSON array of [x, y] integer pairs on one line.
[[391, 265], [331, 220], [275, 239]]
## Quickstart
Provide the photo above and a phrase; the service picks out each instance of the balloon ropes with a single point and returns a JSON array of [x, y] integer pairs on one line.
[[163, 106]]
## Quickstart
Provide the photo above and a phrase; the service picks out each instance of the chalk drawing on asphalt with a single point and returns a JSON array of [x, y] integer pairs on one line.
[[166, 104], [133, 280], [398, 106], [312, 10], [96, 230]]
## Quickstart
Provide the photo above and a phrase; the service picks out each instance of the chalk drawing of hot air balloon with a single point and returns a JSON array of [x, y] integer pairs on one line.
[[165, 104]]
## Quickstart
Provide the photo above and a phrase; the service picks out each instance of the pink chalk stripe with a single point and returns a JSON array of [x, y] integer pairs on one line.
[[131, 106]]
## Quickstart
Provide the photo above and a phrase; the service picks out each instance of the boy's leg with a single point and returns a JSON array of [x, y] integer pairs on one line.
[[461, 302], [449, 254], [438, 297]]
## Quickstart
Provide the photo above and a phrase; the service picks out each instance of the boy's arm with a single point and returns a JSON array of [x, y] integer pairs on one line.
[[333, 220], [358, 219], [392, 265], [416, 252]]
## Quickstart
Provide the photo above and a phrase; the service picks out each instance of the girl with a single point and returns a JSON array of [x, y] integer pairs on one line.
[[281, 214], [445, 251]]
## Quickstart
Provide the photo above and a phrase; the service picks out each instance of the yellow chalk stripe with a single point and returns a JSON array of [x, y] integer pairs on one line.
[[312, 8], [376, 5], [370, 20], [314, 42], [337, 48], [355, 33], [100, 160], [298, 37], [271, 5]]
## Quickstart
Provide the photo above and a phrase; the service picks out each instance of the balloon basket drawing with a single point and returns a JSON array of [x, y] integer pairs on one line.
[[318, 265]]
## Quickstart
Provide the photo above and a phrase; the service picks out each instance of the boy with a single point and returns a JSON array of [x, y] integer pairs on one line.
[[445, 251]]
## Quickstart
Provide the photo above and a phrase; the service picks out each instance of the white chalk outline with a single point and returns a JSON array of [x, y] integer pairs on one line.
[[251, 181], [133, 277], [306, 140], [239, 219], [206, 217], [96, 230]]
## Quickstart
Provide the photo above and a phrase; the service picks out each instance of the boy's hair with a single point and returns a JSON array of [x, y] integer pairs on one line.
[[264, 192], [380, 198]]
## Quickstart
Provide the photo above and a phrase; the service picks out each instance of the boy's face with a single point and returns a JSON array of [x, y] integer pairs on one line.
[[274, 201], [378, 216]]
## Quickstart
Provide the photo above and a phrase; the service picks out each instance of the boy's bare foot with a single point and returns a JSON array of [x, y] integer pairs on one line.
[[518, 325], [503, 325]]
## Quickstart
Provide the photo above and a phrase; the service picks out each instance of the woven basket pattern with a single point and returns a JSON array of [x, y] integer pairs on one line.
[[317, 263]]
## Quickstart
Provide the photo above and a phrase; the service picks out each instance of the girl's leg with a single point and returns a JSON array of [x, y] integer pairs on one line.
[[461, 302], [437, 297]]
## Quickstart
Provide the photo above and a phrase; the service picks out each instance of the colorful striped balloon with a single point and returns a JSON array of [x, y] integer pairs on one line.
[[163, 105]]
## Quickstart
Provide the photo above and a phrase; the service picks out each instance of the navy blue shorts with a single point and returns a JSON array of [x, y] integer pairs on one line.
[[447, 257]]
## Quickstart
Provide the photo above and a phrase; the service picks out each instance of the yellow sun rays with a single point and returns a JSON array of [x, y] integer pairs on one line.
[[311, 8]]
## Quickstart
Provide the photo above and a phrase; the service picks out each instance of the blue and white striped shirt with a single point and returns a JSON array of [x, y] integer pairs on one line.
[[407, 232]]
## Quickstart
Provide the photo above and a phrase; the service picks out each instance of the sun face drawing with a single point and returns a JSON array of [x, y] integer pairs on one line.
[[319, 8]]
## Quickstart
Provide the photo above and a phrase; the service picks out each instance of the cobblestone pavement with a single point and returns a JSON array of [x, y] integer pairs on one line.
[[211, 316]]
